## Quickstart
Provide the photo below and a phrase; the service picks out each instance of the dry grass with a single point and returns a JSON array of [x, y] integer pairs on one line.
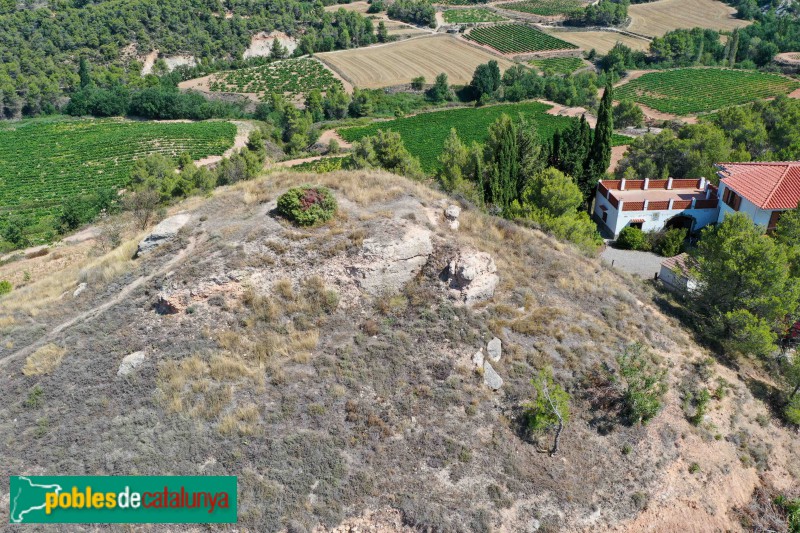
[[602, 41], [398, 63], [44, 360], [657, 18]]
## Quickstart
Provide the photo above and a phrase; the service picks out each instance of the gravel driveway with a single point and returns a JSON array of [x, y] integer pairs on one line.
[[642, 264]]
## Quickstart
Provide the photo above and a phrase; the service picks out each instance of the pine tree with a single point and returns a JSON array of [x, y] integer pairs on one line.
[[383, 33], [277, 51], [599, 157]]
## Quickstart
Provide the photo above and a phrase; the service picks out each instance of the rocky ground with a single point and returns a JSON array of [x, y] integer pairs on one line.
[[370, 374]]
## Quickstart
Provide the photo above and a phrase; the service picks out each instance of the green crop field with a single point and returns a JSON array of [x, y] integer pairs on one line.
[[474, 14], [289, 77], [43, 164], [559, 65], [687, 91], [545, 8], [424, 134], [517, 39]]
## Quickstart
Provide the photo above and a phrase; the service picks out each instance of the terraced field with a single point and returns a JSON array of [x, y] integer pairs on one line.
[[654, 19], [517, 39], [559, 65], [43, 164], [400, 62], [545, 8], [289, 77], [688, 91], [424, 134], [601, 41], [472, 14]]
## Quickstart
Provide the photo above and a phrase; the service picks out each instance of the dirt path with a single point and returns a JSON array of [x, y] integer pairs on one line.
[[330, 135], [617, 153], [243, 129], [795, 94], [563, 111], [293, 162], [99, 310]]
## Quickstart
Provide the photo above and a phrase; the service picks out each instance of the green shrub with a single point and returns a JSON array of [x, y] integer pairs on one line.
[[631, 238], [5, 287], [792, 411], [307, 205], [670, 242], [643, 384]]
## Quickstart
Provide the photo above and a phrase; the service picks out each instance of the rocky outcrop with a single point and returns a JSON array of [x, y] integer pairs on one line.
[[79, 290], [494, 349], [165, 231], [491, 378], [451, 215], [130, 363], [472, 276], [393, 255], [477, 359]]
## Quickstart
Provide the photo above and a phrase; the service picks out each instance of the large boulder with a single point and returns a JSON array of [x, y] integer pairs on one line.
[[494, 349], [472, 276], [165, 231], [392, 256], [130, 362]]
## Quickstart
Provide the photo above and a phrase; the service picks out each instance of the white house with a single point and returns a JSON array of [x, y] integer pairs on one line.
[[652, 205], [762, 191], [676, 274]]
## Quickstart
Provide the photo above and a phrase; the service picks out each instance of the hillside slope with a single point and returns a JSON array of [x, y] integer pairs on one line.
[[285, 357]]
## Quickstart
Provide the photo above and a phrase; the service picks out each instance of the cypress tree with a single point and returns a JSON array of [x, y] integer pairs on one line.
[[600, 152], [502, 158], [734, 48], [83, 73]]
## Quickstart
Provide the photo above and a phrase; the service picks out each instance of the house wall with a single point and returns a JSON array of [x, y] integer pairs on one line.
[[757, 215], [653, 220], [676, 281]]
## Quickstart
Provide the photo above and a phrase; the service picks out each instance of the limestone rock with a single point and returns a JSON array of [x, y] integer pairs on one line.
[[79, 290], [491, 378], [477, 359], [494, 349], [165, 231], [451, 214], [390, 258], [130, 362], [472, 276]]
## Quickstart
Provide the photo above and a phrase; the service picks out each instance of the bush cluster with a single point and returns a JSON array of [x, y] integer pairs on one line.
[[667, 243], [307, 205]]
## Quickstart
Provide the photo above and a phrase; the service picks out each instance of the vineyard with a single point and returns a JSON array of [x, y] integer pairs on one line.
[[559, 65], [545, 8], [289, 77], [517, 39], [475, 14], [424, 134], [687, 91], [45, 164]]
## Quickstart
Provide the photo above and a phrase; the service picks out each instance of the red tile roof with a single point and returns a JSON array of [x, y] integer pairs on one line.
[[768, 185], [682, 263]]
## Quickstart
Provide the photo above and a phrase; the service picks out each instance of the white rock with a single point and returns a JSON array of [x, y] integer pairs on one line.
[[165, 231], [477, 359], [80, 289], [491, 378], [130, 362], [494, 349], [472, 276], [452, 212], [391, 258]]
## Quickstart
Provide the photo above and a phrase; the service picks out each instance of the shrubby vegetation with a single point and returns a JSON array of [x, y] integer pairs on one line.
[[642, 382], [47, 43], [550, 408], [307, 205], [761, 131], [419, 12]]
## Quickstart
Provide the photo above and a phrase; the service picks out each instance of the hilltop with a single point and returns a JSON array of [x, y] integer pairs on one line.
[[332, 370]]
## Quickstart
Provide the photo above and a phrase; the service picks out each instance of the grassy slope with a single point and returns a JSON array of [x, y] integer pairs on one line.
[[373, 404]]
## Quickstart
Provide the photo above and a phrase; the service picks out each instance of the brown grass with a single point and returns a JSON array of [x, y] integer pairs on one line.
[[602, 41], [398, 63], [44, 360], [657, 18]]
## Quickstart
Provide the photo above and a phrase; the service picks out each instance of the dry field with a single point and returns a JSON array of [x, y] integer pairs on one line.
[[602, 41], [657, 18], [400, 62]]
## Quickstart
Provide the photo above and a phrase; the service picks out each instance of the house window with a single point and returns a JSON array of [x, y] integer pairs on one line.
[[637, 225], [731, 199], [605, 216]]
